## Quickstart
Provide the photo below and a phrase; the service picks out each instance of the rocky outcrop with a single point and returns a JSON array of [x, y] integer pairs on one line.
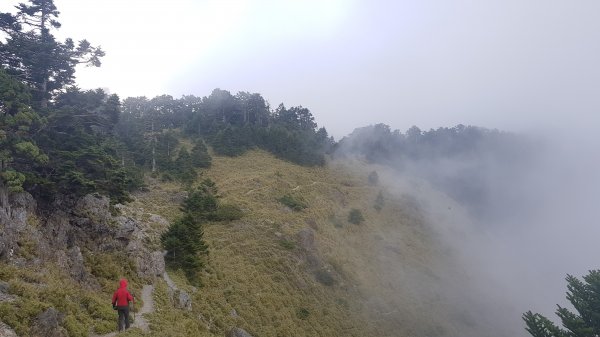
[[6, 331], [15, 210], [237, 332], [4, 295], [322, 271], [180, 298], [150, 264], [48, 324]]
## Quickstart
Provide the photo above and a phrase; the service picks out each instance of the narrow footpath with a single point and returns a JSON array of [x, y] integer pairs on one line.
[[140, 321]]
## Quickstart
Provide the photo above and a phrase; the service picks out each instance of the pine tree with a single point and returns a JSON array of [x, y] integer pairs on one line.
[[585, 298], [19, 123], [32, 53]]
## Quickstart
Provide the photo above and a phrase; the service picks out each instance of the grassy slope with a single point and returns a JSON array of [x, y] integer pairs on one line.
[[256, 266]]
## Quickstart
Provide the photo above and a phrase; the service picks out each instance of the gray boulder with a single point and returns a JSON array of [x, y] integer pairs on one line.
[[6, 331], [47, 324], [150, 264], [183, 300], [237, 332], [93, 207]]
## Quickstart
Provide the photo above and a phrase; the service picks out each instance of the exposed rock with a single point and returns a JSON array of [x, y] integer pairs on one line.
[[14, 215], [127, 227], [183, 300], [158, 219], [77, 266], [4, 287], [58, 230], [150, 264], [234, 313], [47, 324], [5, 296], [94, 207], [237, 332], [6, 331], [180, 298], [306, 239], [15, 209]]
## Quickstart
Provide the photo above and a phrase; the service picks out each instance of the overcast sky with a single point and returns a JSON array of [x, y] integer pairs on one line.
[[507, 64]]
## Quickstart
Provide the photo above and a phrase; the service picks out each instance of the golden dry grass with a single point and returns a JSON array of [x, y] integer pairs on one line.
[[257, 276], [257, 270]]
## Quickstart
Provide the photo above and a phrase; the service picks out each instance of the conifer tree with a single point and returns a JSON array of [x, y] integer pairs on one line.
[[585, 322], [32, 53]]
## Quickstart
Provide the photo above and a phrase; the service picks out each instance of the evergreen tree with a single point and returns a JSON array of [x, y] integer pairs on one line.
[[32, 53], [19, 123], [200, 156], [585, 322]]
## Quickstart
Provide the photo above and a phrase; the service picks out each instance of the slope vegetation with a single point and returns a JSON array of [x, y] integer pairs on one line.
[[308, 272]]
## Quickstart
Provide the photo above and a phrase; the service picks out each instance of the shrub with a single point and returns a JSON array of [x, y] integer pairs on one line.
[[355, 216], [379, 202], [302, 313], [228, 212], [287, 244], [293, 203]]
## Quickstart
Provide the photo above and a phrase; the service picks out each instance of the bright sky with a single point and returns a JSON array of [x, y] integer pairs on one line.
[[507, 64]]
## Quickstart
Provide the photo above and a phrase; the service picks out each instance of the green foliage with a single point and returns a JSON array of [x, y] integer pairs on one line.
[[228, 212], [31, 52], [183, 168], [302, 313], [287, 244], [82, 156], [355, 216], [293, 202], [232, 141], [200, 156], [183, 241], [13, 180], [186, 249], [19, 153], [585, 298], [379, 202]]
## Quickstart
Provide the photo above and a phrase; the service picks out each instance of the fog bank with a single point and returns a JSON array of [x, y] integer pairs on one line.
[[510, 220]]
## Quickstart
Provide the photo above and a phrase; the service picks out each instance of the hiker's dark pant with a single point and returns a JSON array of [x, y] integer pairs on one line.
[[123, 317]]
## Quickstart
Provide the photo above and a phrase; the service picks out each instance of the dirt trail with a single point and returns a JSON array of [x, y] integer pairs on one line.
[[140, 321]]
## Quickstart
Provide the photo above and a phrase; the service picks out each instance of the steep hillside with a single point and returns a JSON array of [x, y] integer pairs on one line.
[[275, 272], [279, 272]]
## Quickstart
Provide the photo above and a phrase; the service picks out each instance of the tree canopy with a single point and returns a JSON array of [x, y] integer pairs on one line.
[[32, 53], [584, 295]]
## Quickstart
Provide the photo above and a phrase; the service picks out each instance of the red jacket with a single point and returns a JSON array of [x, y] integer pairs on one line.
[[122, 297]]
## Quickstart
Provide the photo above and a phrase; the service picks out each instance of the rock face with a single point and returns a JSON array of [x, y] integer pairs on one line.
[[322, 271], [15, 210], [150, 264], [47, 324], [237, 332], [6, 331]]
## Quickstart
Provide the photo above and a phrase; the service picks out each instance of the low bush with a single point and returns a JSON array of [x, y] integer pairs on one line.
[[355, 216], [293, 203], [227, 212]]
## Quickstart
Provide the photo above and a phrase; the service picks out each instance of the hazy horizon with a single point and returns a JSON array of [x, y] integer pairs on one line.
[[510, 65]]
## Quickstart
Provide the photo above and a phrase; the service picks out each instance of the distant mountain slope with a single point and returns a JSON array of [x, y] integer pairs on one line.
[[276, 271], [279, 272]]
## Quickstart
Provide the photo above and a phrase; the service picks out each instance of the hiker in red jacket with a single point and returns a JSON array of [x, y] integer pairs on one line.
[[120, 302]]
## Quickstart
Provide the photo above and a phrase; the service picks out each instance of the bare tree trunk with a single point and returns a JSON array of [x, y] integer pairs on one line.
[[153, 149]]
